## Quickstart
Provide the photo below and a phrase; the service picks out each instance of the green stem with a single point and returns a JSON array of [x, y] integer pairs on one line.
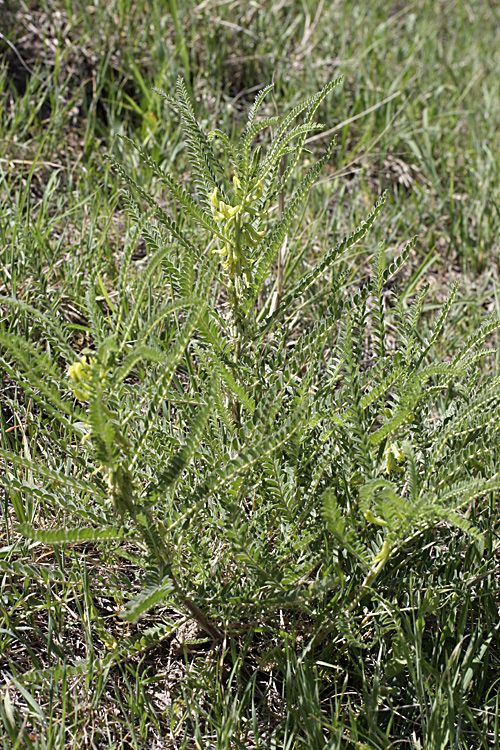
[[237, 328], [164, 559], [367, 584]]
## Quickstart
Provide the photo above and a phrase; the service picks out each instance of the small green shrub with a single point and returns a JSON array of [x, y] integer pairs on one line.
[[255, 460]]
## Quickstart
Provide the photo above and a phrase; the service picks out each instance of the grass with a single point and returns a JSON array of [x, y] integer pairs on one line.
[[417, 115]]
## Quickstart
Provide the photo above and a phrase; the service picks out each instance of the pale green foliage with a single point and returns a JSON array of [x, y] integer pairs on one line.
[[244, 460]]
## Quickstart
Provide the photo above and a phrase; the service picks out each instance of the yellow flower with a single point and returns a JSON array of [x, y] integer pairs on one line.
[[80, 373], [393, 457]]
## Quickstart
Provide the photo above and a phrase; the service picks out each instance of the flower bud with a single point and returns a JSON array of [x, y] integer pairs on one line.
[[373, 519], [383, 555], [214, 201]]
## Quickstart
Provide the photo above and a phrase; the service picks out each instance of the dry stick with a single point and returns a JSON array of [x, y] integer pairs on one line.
[[19, 57]]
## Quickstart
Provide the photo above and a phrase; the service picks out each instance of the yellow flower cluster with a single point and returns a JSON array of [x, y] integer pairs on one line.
[[81, 374], [238, 230], [394, 456]]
